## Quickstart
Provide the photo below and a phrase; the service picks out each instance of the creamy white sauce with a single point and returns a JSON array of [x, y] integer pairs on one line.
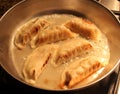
[[51, 76]]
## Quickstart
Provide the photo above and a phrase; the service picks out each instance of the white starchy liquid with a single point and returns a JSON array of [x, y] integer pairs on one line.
[[51, 76]]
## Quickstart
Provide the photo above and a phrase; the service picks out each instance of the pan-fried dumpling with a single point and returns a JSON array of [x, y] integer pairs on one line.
[[70, 49], [79, 70], [51, 35], [36, 62], [84, 28], [28, 31]]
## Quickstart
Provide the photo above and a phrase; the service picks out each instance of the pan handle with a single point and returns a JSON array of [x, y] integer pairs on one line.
[[117, 83]]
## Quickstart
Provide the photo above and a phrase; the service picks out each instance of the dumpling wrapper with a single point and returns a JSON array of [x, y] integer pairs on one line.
[[37, 61], [84, 28], [70, 49], [78, 71], [28, 31], [51, 35]]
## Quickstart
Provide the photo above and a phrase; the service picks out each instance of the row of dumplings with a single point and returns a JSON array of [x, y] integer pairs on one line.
[[58, 45], [38, 31]]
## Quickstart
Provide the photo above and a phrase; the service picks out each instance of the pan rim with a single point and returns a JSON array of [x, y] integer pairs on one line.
[[107, 10]]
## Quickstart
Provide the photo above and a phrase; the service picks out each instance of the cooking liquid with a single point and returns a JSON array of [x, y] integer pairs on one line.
[[51, 76]]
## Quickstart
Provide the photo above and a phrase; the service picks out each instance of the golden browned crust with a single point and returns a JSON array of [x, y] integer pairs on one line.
[[78, 71], [52, 35], [28, 31], [84, 28], [70, 49]]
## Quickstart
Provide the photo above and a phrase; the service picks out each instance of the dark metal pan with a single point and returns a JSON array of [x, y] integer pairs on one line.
[[28, 9]]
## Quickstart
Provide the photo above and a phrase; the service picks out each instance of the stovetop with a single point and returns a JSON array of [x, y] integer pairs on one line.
[[10, 85]]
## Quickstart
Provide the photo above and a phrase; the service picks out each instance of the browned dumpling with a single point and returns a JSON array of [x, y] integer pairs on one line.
[[37, 61], [70, 49], [28, 31], [52, 35], [84, 28], [78, 71], [63, 51]]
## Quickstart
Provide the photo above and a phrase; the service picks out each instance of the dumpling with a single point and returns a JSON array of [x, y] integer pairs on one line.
[[28, 31], [84, 28], [70, 49], [78, 71], [37, 61], [52, 35], [22, 37]]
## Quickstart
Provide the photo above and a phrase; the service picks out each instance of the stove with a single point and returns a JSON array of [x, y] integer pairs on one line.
[[109, 85]]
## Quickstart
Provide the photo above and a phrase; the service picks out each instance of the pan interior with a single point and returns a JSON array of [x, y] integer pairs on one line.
[[29, 9], [51, 76]]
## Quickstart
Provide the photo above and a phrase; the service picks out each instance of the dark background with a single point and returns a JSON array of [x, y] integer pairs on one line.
[[6, 4]]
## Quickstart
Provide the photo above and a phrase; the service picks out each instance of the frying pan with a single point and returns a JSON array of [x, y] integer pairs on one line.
[[28, 9]]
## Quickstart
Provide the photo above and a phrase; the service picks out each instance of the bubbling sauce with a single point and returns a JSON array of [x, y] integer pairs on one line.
[[50, 77]]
